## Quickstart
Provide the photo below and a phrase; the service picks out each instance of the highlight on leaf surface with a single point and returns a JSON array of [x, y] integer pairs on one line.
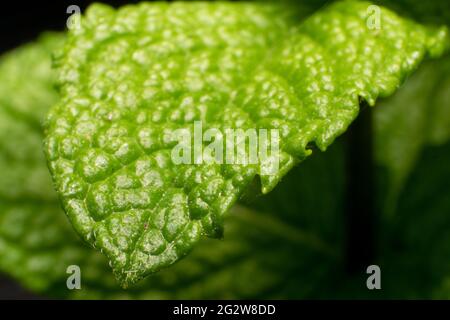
[[127, 75]]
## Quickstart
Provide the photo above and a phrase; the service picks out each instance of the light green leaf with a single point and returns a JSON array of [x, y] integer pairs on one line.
[[127, 76], [255, 260], [37, 243]]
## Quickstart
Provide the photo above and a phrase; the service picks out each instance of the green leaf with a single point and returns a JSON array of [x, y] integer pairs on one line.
[[37, 243], [127, 76], [255, 259]]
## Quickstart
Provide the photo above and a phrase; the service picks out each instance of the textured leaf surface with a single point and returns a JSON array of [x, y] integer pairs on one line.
[[255, 258], [127, 75], [37, 243]]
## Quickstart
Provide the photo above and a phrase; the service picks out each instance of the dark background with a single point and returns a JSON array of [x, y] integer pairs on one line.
[[23, 21]]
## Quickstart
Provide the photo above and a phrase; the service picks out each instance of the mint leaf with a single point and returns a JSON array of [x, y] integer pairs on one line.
[[128, 75], [255, 258], [37, 243]]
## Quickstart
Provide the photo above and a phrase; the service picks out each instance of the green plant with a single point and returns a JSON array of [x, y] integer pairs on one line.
[[105, 117]]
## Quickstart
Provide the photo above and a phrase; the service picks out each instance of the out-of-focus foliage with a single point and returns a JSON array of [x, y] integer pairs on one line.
[[417, 116], [435, 12]]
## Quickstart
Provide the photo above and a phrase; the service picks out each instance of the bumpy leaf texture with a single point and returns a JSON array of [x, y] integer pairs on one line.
[[128, 75], [255, 259], [37, 243], [415, 240]]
